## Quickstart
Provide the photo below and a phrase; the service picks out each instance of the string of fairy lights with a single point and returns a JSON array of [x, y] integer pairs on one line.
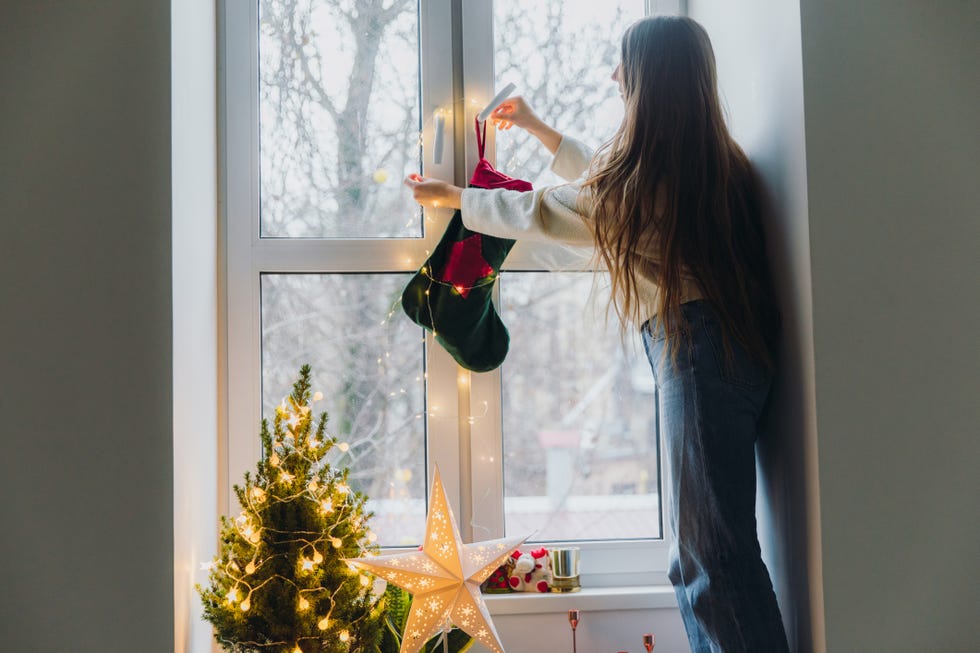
[[249, 524], [440, 114], [453, 287]]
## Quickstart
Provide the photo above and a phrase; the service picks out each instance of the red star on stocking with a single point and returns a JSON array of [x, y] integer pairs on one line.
[[466, 265]]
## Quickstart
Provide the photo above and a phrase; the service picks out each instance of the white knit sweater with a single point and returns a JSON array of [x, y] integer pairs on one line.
[[555, 214]]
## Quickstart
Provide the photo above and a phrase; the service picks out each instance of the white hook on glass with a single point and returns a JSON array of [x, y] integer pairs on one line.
[[497, 100]]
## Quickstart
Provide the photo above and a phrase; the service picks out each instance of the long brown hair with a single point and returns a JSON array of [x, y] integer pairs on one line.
[[674, 196]]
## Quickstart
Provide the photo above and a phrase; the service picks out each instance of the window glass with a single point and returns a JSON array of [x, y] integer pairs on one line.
[[579, 415], [339, 118], [561, 55], [369, 365]]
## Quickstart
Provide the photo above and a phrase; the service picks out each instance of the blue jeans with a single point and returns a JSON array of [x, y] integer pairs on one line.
[[708, 415]]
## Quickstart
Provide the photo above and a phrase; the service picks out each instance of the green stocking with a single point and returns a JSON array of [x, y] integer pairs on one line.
[[451, 293]]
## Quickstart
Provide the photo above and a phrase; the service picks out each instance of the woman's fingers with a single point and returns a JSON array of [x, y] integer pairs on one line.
[[512, 111], [427, 192]]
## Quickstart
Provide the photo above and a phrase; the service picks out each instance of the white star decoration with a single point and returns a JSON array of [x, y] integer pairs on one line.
[[444, 577]]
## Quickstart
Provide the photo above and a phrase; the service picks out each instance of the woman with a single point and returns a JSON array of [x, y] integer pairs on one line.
[[672, 209]]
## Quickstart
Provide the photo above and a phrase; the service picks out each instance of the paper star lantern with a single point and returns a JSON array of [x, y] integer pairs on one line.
[[444, 578]]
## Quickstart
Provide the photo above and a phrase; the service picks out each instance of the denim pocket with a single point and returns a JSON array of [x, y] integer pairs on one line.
[[741, 370], [653, 334]]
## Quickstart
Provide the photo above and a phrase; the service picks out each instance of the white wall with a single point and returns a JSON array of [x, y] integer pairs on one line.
[[599, 632], [195, 302], [757, 46], [893, 152], [86, 470]]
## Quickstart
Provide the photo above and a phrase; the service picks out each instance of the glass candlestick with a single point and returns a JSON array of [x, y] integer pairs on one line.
[[573, 619], [649, 641]]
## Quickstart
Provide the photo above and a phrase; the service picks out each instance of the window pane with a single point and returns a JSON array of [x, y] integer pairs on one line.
[[579, 415], [339, 113], [370, 371], [561, 55]]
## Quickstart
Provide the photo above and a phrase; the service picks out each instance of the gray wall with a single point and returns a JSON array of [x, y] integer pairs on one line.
[[891, 94], [86, 472]]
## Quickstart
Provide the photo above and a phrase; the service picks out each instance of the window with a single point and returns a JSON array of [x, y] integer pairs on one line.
[[326, 106]]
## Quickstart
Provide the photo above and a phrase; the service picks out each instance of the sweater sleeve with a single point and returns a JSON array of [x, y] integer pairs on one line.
[[571, 158], [552, 214]]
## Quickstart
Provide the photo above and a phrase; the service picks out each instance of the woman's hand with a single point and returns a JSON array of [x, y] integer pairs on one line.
[[515, 111], [433, 192]]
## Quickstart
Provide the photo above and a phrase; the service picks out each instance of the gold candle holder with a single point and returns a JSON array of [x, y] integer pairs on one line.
[[564, 570]]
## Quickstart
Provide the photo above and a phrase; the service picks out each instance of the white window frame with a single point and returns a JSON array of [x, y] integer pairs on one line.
[[468, 452]]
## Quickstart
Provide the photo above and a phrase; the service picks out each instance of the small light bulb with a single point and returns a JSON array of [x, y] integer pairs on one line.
[[313, 485], [326, 505], [343, 446], [274, 459], [287, 477], [250, 568], [343, 636], [365, 581], [317, 557], [336, 542], [255, 538], [317, 396], [303, 603], [258, 493], [307, 564], [323, 624], [232, 595], [246, 604], [343, 488]]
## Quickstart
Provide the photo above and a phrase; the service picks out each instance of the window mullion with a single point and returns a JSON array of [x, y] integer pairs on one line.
[[326, 256], [239, 219], [443, 419], [485, 466]]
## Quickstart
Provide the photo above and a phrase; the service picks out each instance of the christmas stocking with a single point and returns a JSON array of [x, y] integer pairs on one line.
[[451, 293]]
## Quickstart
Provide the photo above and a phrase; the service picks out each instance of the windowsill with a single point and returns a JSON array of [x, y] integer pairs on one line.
[[593, 599]]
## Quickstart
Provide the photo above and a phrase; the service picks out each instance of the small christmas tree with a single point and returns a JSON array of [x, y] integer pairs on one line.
[[280, 583]]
